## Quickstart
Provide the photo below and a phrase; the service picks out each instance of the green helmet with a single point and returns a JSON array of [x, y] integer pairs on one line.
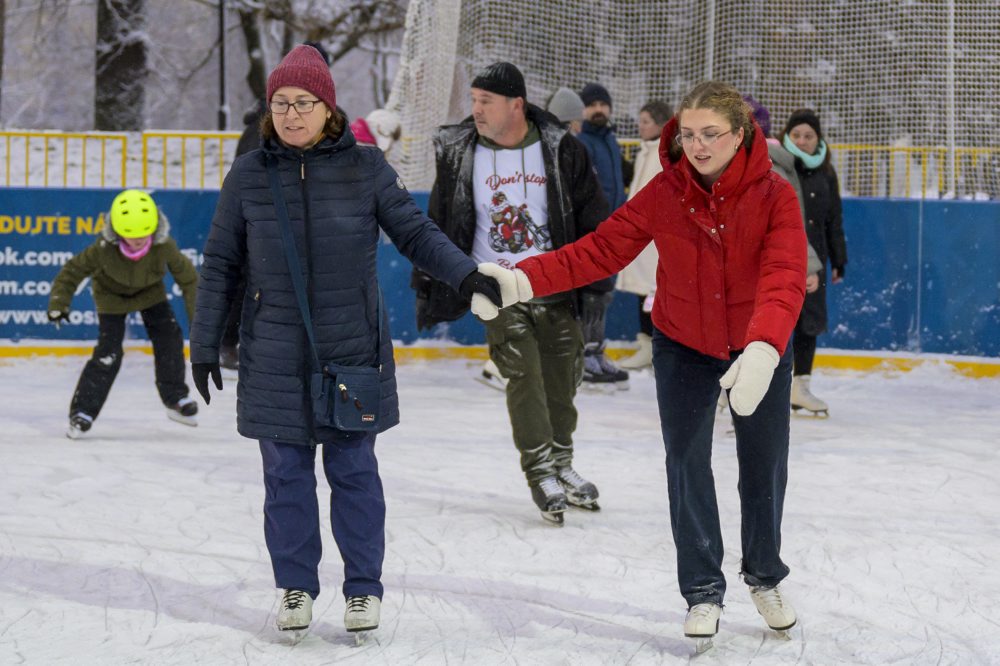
[[133, 214]]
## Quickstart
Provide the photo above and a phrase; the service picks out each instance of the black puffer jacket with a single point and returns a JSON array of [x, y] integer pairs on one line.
[[338, 196], [575, 201], [825, 231]]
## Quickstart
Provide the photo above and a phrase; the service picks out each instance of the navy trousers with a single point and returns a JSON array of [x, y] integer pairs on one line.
[[687, 391], [357, 512]]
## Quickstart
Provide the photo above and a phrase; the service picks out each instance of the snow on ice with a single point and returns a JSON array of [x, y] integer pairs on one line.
[[142, 542]]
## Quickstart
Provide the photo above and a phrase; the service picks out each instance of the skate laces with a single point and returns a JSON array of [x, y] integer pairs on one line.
[[294, 599], [702, 611], [570, 476], [357, 604], [770, 598], [550, 486]]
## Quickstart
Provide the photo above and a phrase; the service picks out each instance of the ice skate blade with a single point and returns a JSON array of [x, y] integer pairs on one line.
[[597, 387], [702, 644], [621, 386], [73, 433], [802, 412], [362, 636], [782, 634], [180, 418], [586, 505], [492, 381], [554, 517], [294, 635]]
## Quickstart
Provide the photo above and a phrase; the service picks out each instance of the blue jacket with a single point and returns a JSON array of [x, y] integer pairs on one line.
[[606, 154], [339, 195]]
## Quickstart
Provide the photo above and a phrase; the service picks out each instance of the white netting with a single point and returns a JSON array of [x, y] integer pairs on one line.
[[905, 88]]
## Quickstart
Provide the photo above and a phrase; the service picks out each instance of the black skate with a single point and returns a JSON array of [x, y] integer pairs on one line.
[[579, 492], [550, 499], [79, 423], [599, 373], [184, 411]]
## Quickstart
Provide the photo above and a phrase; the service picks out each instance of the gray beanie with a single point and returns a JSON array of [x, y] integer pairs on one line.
[[566, 105]]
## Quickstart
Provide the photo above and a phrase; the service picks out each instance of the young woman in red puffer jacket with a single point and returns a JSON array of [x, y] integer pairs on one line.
[[729, 286]]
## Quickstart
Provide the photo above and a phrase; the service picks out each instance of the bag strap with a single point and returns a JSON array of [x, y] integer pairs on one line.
[[295, 266]]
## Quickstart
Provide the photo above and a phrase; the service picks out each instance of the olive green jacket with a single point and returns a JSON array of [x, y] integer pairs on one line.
[[121, 285]]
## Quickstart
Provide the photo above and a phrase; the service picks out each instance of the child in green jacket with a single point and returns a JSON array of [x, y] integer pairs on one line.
[[127, 265]]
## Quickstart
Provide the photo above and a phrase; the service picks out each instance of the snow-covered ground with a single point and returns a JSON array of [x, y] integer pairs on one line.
[[142, 542]]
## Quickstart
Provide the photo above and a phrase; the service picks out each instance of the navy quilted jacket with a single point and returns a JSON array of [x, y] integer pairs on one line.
[[339, 195]]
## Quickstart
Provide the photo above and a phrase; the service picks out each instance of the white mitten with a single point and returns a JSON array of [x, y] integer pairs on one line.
[[514, 284], [483, 307], [749, 377]]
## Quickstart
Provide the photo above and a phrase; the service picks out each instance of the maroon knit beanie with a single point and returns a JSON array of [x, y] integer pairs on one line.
[[304, 68]]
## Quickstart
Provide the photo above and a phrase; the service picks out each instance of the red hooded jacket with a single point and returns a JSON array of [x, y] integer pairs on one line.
[[732, 266]]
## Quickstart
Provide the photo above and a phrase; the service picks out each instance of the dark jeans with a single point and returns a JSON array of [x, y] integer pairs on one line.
[[804, 350], [687, 390], [102, 368], [539, 349], [357, 512]]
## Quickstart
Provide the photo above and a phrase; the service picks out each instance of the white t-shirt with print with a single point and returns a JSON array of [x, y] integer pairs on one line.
[[512, 210]]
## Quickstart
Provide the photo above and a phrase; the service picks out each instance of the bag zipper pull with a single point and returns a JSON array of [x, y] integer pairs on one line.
[[343, 392]]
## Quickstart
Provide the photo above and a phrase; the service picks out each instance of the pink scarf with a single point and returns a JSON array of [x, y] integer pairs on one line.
[[136, 255]]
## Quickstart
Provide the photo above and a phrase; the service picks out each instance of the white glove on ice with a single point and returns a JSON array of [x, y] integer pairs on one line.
[[749, 377], [514, 284]]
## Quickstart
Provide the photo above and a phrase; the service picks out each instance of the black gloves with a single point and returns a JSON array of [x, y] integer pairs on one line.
[[593, 308], [477, 283], [57, 317], [200, 373]]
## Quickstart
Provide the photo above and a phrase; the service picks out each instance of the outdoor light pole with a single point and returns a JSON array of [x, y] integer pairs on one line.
[[223, 107]]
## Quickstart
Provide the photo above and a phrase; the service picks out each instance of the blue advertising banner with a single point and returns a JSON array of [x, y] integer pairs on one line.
[[41, 229], [922, 276]]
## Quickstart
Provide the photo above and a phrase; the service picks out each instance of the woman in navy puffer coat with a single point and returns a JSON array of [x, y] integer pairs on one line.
[[339, 195]]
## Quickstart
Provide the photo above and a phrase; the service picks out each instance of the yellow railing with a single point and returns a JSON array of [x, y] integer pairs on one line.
[[212, 154], [179, 159], [50, 159], [915, 172]]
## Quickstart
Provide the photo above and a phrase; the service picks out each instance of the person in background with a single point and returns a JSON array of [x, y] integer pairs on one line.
[[730, 284], [567, 107], [380, 128], [512, 183], [803, 138], [338, 197], [127, 265], [598, 135], [639, 277]]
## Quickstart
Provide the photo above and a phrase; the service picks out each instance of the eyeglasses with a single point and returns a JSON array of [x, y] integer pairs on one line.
[[706, 139], [303, 106]]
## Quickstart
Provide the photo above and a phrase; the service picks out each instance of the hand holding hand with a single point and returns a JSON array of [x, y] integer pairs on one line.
[[514, 284], [484, 292], [749, 377], [200, 373]]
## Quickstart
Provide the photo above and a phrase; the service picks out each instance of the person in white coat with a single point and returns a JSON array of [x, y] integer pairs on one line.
[[639, 277]]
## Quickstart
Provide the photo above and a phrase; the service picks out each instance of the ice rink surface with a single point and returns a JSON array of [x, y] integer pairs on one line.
[[142, 543]]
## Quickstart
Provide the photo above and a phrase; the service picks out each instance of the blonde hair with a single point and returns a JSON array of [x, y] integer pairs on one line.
[[725, 100]]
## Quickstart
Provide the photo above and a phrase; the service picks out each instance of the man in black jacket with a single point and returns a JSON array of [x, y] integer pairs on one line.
[[511, 182]]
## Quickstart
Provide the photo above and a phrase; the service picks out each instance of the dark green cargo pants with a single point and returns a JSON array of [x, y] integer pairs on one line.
[[539, 349]]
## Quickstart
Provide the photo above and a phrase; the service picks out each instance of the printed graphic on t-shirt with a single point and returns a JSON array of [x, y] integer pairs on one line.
[[511, 204], [513, 229]]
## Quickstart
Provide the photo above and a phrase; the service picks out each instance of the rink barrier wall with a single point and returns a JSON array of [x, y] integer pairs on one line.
[[923, 276], [826, 359]]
